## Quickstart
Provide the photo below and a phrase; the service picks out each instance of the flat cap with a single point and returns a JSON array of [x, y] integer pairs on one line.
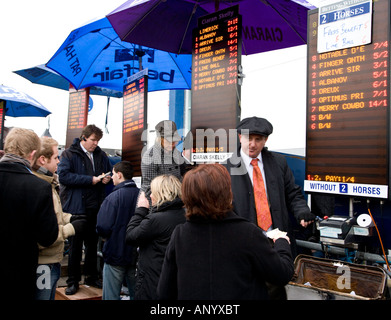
[[255, 125], [167, 130]]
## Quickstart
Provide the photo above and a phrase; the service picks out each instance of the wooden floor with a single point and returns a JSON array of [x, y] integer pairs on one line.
[[84, 293]]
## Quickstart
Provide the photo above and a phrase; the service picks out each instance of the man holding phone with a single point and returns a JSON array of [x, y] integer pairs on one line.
[[83, 182]]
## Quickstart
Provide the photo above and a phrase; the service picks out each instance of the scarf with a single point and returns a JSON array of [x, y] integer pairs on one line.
[[10, 157]]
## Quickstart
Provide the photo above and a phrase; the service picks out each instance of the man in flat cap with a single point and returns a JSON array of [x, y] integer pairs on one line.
[[163, 157], [263, 185]]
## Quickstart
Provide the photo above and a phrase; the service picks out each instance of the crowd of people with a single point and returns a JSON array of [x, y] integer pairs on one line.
[[189, 232]]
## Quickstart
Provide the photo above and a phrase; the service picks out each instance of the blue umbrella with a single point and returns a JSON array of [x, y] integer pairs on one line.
[[93, 55], [47, 77], [19, 104]]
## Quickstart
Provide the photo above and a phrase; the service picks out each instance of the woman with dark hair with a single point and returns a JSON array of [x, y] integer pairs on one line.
[[217, 255]]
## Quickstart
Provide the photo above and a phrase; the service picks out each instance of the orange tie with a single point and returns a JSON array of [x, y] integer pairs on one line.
[[264, 218]]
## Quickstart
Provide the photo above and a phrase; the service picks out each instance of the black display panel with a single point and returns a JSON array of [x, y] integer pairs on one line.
[[215, 89], [134, 118], [347, 145], [77, 113]]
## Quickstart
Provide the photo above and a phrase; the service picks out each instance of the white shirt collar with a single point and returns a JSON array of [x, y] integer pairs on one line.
[[84, 149], [247, 162], [247, 159]]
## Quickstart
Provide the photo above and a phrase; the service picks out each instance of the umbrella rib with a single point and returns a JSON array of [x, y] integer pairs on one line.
[[180, 69], [187, 27], [141, 19], [111, 41], [267, 1], [92, 62]]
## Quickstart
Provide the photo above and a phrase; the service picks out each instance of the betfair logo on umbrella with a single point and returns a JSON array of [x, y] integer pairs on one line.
[[126, 71], [115, 74], [93, 55]]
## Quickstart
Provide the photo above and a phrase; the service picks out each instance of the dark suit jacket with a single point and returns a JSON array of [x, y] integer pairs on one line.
[[285, 197], [75, 175]]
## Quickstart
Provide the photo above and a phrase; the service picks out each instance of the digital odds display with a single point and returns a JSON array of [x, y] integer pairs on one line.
[[134, 118], [77, 113], [347, 144], [215, 89]]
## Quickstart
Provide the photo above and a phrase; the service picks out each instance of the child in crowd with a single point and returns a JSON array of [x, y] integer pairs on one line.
[[113, 217]]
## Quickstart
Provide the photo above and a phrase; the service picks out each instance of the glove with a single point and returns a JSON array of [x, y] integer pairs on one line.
[[307, 217], [79, 224]]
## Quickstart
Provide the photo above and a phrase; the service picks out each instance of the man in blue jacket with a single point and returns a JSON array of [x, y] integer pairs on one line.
[[81, 173], [113, 217]]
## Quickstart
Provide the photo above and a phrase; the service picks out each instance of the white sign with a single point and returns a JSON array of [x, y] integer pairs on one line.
[[137, 75], [349, 189], [344, 24], [210, 157]]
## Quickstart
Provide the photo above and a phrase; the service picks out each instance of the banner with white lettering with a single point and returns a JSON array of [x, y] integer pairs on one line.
[[349, 189], [344, 24]]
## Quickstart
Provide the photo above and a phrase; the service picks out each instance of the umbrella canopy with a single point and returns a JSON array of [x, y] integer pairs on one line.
[[47, 77], [93, 55], [167, 24], [19, 104]]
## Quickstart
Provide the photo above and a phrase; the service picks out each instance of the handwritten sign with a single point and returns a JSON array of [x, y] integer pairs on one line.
[[344, 24]]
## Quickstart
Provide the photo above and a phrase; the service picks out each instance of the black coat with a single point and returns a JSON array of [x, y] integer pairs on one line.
[[285, 196], [27, 218], [152, 232], [75, 175], [229, 259]]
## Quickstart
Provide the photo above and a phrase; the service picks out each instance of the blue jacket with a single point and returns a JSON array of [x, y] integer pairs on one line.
[[113, 218], [75, 175]]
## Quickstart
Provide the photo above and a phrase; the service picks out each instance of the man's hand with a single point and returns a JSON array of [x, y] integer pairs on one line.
[[95, 180], [105, 179], [304, 223], [306, 219]]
